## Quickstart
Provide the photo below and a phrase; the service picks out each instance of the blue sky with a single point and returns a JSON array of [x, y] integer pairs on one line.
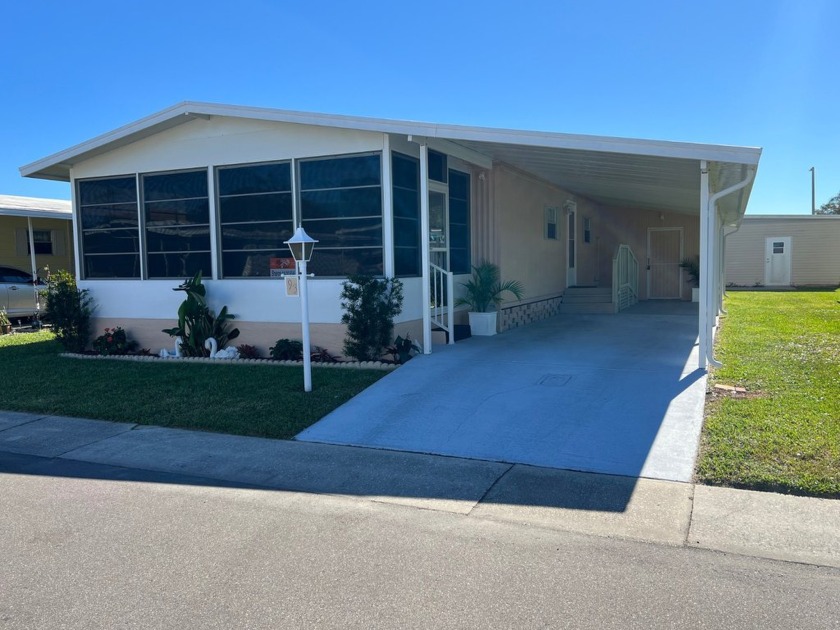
[[753, 73]]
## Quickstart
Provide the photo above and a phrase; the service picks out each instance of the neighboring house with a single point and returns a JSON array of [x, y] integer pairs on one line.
[[219, 188], [784, 250], [50, 221]]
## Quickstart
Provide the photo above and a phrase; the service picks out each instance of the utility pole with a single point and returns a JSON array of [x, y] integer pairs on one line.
[[813, 192]]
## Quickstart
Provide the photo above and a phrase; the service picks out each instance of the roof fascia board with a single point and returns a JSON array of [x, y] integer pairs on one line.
[[37, 214], [188, 109], [791, 217], [603, 144]]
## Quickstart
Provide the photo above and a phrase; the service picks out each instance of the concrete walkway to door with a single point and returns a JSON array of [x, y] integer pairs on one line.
[[616, 394]]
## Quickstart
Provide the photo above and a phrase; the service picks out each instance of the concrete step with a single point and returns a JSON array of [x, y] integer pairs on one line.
[[582, 298], [588, 291], [592, 308]]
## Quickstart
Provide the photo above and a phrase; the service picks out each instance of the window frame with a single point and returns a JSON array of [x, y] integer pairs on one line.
[[301, 219], [144, 242], [219, 236], [82, 232]]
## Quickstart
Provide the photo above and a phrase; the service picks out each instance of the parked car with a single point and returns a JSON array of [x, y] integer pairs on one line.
[[18, 292]]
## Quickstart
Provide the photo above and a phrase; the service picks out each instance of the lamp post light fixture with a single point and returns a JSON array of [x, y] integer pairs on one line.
[[302, 246]]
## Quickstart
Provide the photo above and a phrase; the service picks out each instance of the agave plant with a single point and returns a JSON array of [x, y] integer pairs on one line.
[[485, 288]]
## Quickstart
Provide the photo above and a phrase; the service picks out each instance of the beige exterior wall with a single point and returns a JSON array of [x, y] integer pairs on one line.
[[616, 226], [13, 251], [540, 264], [525, 254], [815, 249]]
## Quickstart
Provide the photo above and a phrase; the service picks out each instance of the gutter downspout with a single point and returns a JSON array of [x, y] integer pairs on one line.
[[708, 269]]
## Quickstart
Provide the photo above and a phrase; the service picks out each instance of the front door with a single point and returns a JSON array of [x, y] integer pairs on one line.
[[438, 228], [777, 261], [663, 269], [571, 251]]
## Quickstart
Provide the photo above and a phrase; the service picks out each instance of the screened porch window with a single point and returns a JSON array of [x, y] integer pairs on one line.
[[177, 222], [255, 217], [406, 198], [341, 207], [110, 229], [459, 222]]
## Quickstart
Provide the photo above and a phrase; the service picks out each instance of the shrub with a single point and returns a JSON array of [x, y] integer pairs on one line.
[[403, 348], [247, 351], [197, 323], [322, 355], [370, 305], [114, 341], [287, 350], [68, 309]]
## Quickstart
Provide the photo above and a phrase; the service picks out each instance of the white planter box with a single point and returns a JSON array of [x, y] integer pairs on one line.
[[482, 324], [695, 294]]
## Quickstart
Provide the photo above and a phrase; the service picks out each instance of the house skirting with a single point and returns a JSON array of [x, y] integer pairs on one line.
[[529, 311], [263, 335]]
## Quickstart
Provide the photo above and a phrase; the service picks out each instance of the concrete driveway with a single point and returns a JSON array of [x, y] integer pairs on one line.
[[616, 394]]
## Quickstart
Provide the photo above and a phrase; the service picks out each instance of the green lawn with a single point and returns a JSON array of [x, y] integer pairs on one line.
[[784, 435], [266, 401]]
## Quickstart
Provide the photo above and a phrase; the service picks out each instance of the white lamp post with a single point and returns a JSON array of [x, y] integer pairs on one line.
[[302, 245]]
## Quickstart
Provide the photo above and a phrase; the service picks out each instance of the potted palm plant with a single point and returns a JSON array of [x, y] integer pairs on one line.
[[482, 291], [692, 270]]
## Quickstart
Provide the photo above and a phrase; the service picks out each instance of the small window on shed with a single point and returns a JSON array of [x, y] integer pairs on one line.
[[778, 247]]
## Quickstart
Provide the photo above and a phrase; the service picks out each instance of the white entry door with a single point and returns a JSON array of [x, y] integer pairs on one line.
[[663, 268], [571, 258], [777, 261]]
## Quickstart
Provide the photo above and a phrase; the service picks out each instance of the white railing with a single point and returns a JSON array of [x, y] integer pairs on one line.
[[443, 301], [625, 278]]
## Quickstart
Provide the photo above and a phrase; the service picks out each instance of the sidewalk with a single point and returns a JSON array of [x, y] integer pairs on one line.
[[758, 524]]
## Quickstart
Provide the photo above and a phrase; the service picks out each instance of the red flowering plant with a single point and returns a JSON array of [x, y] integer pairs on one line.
[[114, 341]]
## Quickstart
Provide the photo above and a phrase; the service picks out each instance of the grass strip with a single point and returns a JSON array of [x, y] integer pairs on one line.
[[238, 399], [784, 434]]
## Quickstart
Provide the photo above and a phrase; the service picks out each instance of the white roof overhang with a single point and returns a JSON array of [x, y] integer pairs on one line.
[[620, 172], [12, 206]]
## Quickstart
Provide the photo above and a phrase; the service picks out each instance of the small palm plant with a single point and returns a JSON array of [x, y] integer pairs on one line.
[[485, 288]]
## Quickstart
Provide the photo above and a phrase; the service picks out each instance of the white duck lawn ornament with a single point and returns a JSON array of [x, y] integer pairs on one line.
[[226, 353], [174, 355]]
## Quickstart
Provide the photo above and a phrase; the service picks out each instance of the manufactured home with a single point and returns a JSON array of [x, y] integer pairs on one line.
[[218, 189]]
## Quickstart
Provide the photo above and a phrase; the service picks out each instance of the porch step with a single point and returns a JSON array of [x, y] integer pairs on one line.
[[587, 300], [591, 308]]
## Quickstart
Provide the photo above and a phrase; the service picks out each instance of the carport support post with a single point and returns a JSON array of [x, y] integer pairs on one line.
[[424, 247], [33, 263], [705, 276]]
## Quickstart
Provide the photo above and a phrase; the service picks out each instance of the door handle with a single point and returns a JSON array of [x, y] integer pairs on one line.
[[13, 288]]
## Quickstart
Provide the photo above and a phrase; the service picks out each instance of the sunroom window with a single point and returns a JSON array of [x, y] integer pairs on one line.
[[255, 217], [406, 198], [109, 224], [177, 222], [459, 222], [341, 207]]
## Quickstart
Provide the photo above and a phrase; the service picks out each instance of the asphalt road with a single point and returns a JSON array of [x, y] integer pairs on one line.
[[80, 552]]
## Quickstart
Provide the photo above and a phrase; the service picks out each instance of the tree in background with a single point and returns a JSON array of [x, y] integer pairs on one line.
[[832, 206]]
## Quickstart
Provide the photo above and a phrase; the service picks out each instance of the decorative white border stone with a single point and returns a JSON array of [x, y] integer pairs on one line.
[[364, 365]]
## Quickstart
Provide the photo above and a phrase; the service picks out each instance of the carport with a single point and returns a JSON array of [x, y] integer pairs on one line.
[[618, 394]]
